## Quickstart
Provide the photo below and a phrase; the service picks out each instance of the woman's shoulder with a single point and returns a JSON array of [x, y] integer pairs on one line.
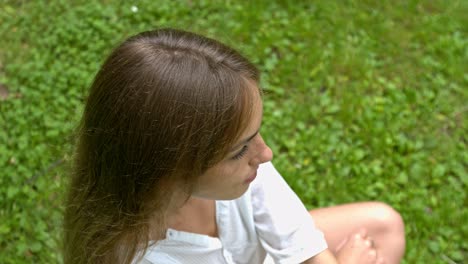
[[162, 251], [156, 257], [267, 177]]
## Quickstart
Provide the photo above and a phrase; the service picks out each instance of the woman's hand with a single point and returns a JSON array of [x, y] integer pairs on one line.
[[325, 257], [356, 249]]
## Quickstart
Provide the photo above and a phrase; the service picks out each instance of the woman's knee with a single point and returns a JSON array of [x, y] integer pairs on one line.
[[389, 224], [386, 227], [387, 217]]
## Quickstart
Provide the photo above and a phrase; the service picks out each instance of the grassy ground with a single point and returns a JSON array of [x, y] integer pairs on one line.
[[365, 100]]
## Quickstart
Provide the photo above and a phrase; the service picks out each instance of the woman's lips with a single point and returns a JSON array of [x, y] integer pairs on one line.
[[251, 178]]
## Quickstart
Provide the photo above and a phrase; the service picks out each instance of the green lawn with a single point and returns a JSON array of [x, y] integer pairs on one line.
[[364, 100]]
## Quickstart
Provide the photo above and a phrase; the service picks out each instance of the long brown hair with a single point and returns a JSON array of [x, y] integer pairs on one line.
[[165, 106]]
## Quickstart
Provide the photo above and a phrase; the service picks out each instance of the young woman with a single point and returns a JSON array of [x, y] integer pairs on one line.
[[170, 167]]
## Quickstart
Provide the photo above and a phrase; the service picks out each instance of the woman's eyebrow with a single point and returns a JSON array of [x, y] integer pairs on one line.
[[245, 141]]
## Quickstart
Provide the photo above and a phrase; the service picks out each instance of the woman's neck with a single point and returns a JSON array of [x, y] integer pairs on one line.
[[195, 216]]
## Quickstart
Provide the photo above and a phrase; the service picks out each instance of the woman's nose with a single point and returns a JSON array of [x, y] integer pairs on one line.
[[263, 154]]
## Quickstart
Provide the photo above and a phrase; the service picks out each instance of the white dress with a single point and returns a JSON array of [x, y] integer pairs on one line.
[[267, 224]]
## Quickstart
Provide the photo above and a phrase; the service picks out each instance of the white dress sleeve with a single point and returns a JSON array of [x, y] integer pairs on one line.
[[284, 226]]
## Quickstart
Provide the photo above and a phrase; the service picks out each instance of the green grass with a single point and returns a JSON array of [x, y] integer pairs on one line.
[[365, 100]]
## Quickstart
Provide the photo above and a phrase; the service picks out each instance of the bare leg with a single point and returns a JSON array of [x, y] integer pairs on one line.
[[377, 220]]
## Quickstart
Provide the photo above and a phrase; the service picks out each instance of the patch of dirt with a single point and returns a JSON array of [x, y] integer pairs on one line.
[[4, 93]]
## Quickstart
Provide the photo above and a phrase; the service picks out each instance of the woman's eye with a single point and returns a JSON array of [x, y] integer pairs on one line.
[[241, 153]]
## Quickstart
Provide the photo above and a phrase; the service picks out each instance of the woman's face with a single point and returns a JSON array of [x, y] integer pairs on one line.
[[231, 177]]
